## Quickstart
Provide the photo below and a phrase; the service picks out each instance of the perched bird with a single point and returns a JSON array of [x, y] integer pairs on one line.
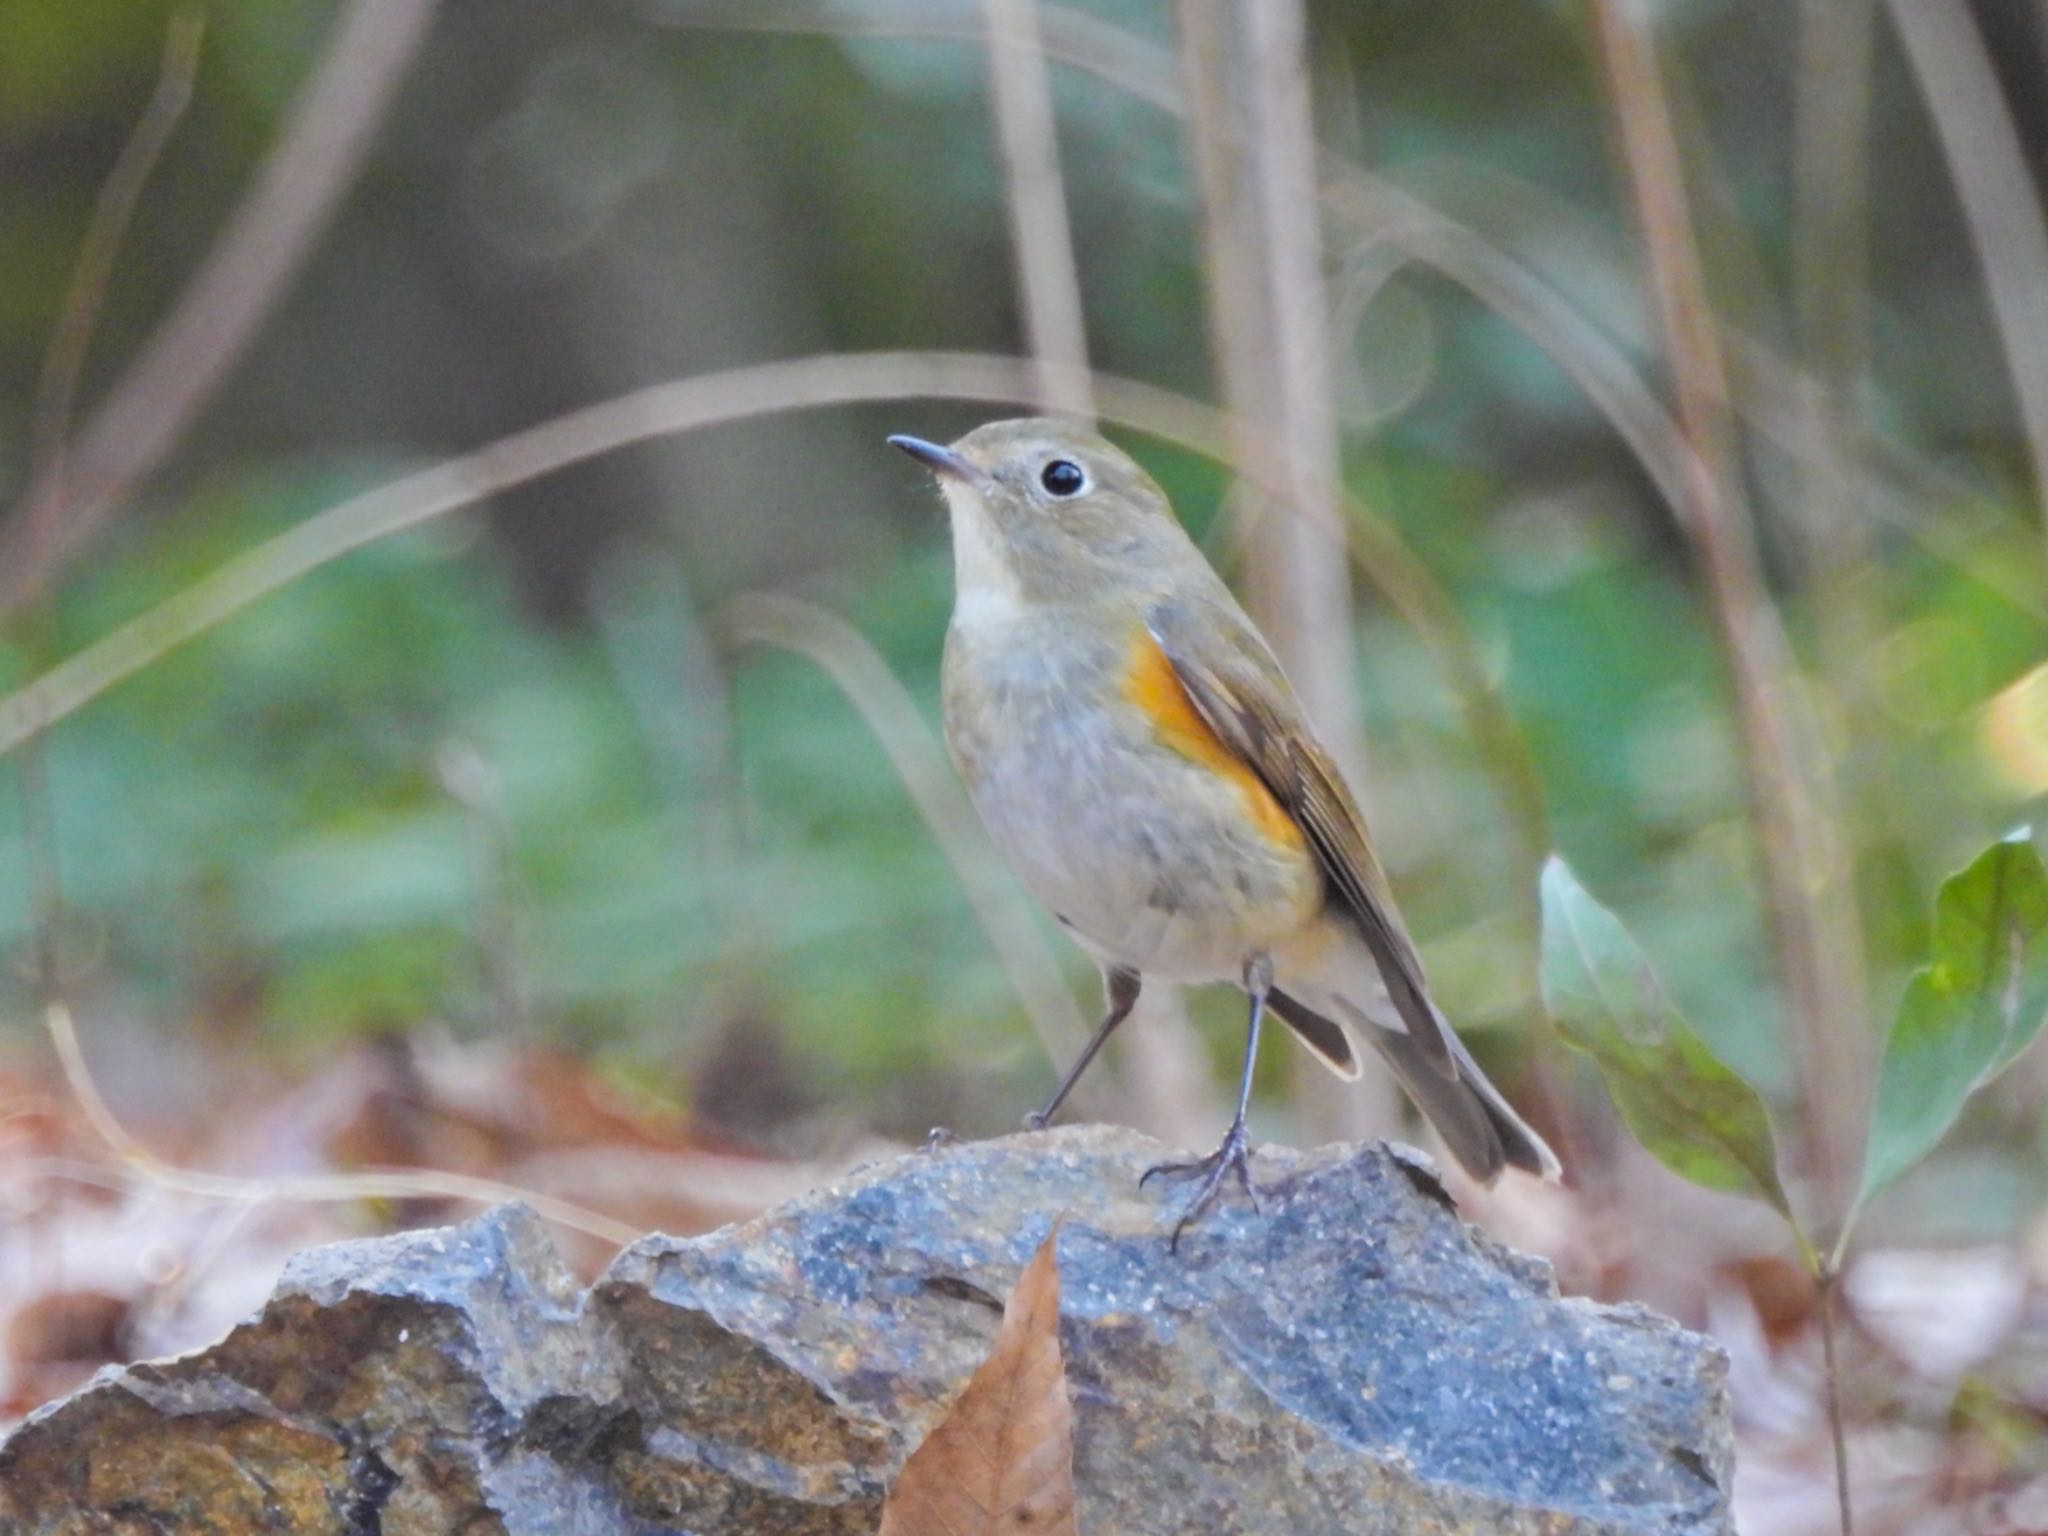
[[1141, 761]]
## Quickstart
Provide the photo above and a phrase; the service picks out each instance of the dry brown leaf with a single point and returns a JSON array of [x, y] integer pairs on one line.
[[1002, 1459]]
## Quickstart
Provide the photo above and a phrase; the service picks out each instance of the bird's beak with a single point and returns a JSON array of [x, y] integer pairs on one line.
[[940, 461]]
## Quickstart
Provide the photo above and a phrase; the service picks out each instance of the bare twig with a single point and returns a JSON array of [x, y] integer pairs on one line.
[[1236, 293], [1041, 236], [1988, 164], [1804, 866], [1269, 316], [265, 242]]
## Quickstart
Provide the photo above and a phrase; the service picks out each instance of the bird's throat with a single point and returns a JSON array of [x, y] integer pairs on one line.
[[985, 583]]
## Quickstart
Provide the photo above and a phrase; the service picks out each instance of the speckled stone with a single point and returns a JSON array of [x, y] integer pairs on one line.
[[1353, 1360]]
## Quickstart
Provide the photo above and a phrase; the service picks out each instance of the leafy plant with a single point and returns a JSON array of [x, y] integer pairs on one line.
[[1967, 1015], [1682, 1103]]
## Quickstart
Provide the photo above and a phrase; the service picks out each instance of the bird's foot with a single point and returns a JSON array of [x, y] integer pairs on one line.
[[1233, 1156], [938, 1138]]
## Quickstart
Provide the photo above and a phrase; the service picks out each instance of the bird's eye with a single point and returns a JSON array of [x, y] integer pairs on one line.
[[1063, 477]]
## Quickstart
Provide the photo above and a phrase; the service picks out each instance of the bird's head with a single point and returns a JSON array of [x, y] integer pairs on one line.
[[1044, 509]]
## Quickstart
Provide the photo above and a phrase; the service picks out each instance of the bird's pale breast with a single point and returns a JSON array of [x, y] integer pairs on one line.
[[1112, 799]]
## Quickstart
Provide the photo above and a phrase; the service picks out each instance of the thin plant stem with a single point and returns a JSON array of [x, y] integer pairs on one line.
[[1827, 1281], [263, 245], [1041, 235], [1802, 859], [85, 296], [44, 520], [1300, 585], [56, 400], [710, 399]]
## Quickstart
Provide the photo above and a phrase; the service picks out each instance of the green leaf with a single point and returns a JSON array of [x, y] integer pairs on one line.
[[1969, 1012], [1692, 1113]]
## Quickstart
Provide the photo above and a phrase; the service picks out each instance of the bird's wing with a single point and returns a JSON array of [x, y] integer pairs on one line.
[[1241, 694]]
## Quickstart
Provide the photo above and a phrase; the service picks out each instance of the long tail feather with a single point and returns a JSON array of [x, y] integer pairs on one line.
[[1479, 1126]]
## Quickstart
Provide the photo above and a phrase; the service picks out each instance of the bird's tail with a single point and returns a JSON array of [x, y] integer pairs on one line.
[[1479, 1126]]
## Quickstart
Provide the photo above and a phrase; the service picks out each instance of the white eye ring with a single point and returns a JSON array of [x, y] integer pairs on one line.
[[1063, 478]]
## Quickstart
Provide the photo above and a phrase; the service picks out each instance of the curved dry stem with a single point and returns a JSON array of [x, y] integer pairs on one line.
[[1802, 854], [248, 270], [886, 708], [1041, 237], [381, 1184], [708, 400]]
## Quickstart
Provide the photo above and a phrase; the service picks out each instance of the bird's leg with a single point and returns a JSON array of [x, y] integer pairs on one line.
[[1235, 1155], [1120, 989]]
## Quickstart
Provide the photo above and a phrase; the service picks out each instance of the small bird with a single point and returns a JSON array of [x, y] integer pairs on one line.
[[1141, 761]]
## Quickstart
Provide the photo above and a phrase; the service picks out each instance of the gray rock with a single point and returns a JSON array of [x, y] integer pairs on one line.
[[1352, 1360]]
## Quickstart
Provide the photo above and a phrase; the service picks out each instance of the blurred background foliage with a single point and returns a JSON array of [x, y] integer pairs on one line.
[[508, 774], [492, 848]]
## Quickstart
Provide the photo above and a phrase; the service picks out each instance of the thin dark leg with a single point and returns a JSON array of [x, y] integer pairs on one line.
[[1120, 987], [1235, 1154]]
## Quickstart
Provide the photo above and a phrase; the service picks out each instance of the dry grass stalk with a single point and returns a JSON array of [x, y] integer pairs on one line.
[[1041, 236], [1805, 867], [250, 267], [685, 405]]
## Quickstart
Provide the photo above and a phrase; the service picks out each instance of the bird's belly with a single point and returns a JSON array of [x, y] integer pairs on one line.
[[1150, 859]]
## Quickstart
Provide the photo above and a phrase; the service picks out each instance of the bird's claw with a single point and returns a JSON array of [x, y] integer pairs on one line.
[[1233, 1156], [938, 1138], [1037, 1120]]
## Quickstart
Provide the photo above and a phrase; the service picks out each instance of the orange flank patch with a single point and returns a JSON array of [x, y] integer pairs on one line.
[[1151, 684]]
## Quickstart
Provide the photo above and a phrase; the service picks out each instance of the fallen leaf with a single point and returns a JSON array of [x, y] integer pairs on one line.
[[1002, 1459]]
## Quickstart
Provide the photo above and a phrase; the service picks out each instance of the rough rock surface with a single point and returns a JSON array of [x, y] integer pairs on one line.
[[1353, 1360]]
